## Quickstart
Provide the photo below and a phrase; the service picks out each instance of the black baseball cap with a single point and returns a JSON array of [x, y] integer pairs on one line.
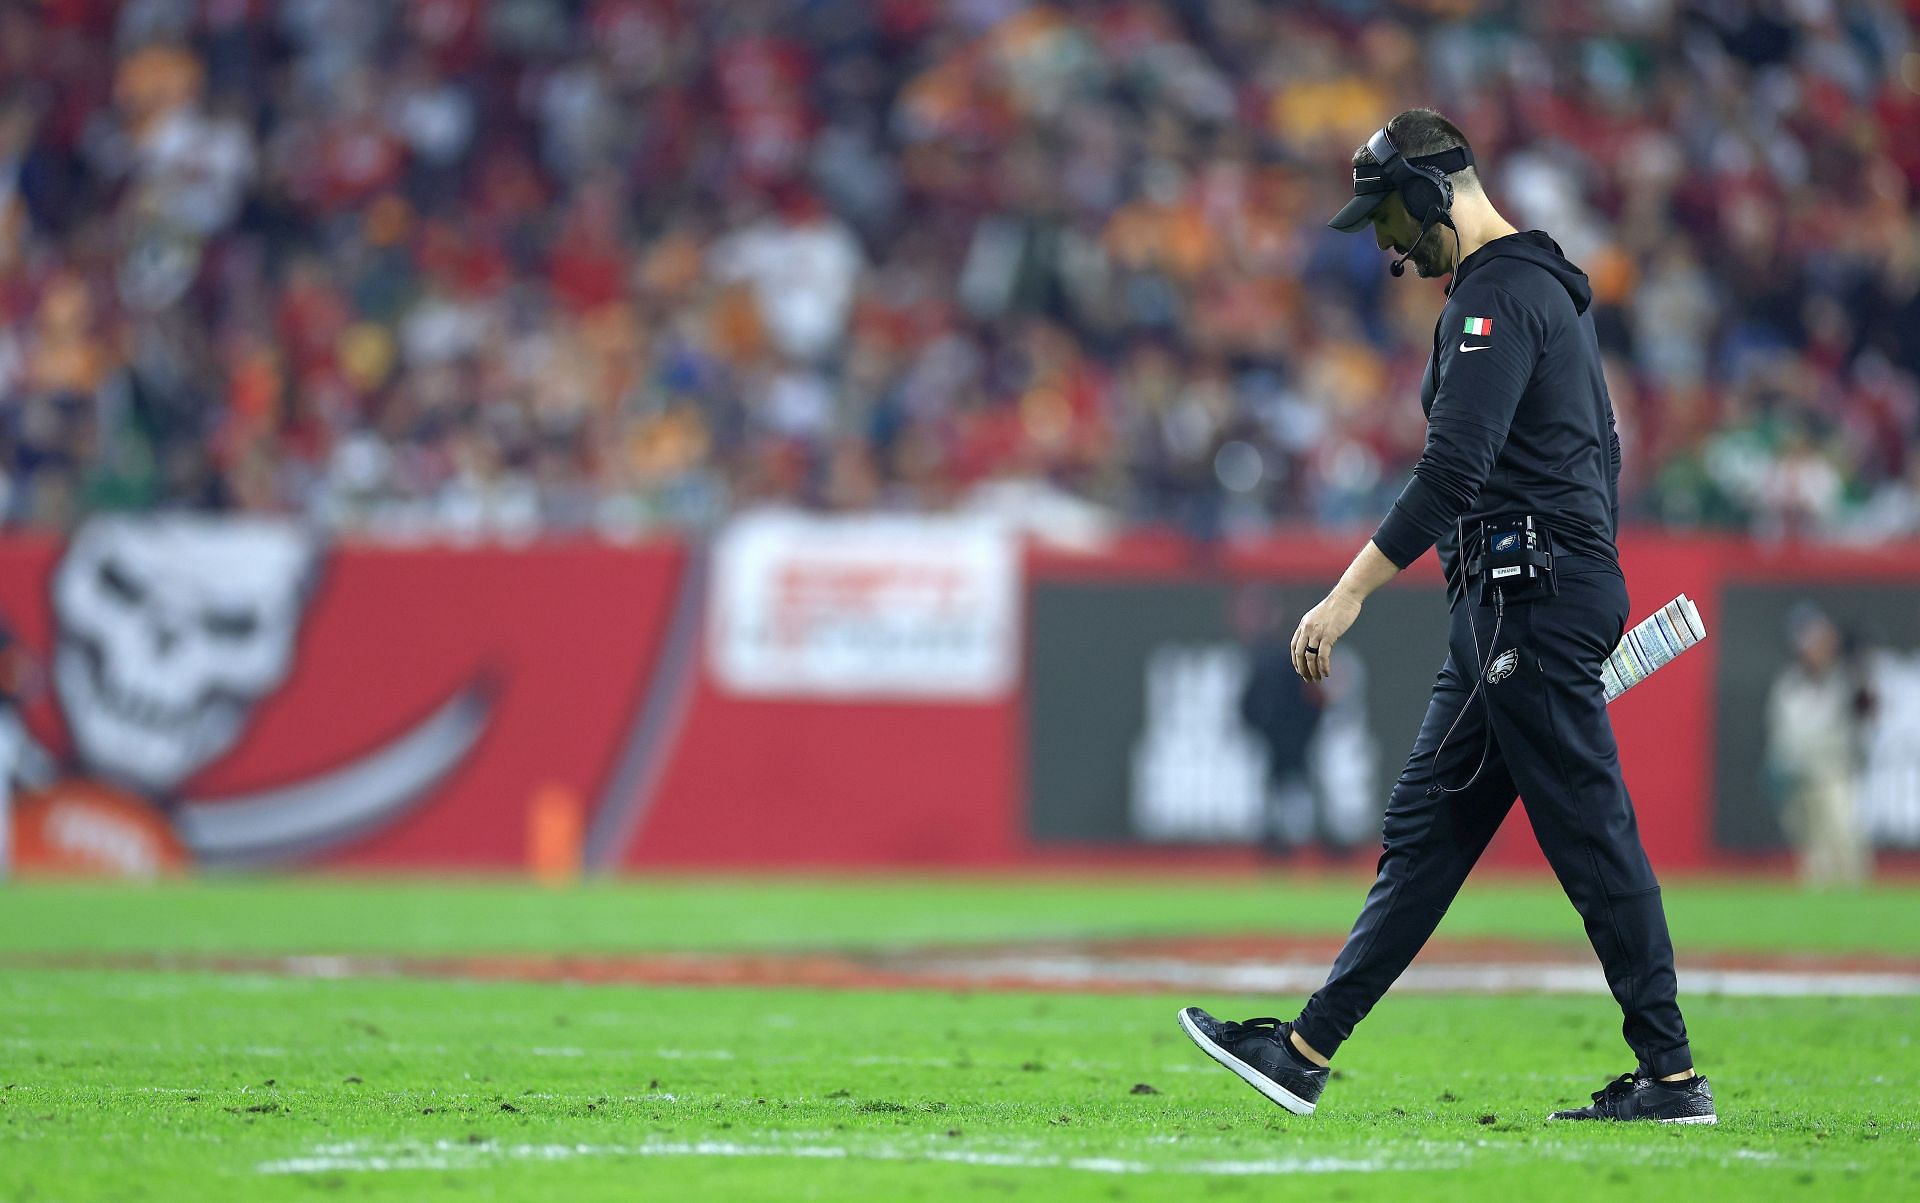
[[1374, 182], [1369, 193]]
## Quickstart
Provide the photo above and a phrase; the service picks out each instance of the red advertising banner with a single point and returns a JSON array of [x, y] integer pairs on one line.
[[857, 701], [238, 693], [188, 692]]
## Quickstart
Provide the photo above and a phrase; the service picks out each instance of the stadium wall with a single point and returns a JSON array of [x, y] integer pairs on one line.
[[806, 695]]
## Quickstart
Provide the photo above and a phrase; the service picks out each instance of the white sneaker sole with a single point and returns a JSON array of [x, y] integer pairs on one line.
[[1248, 1074], [1678, 1119]]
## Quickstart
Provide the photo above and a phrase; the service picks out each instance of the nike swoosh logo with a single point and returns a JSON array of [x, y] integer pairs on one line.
[[1487, 347]]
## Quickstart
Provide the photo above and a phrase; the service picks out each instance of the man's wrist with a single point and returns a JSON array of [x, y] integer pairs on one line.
[[1369, 570]]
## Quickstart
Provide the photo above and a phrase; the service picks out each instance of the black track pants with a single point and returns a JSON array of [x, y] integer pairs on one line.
[[1553, 746]]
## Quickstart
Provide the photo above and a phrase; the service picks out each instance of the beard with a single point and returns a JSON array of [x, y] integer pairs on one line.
[[1428, 252], [1430, 257]]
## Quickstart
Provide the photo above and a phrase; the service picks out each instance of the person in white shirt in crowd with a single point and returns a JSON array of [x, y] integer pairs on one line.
[[1817, 713]]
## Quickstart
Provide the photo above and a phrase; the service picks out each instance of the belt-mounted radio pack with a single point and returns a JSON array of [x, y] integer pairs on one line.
[[1513, 557], [1512, 560]]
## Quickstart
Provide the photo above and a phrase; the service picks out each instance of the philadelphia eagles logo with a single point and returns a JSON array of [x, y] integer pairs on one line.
[[1503, 666]]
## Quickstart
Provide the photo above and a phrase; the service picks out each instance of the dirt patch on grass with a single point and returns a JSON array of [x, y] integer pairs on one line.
[[1213, 964]]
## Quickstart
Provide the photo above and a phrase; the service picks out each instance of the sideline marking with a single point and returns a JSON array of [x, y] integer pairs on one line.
[[360, 1157], [1233, 965], [1422, 1155]]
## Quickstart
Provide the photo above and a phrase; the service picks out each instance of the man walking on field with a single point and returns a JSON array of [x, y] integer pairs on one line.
[[1518, 488]]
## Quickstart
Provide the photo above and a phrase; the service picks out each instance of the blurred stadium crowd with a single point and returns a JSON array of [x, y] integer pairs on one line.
[[507, 265]]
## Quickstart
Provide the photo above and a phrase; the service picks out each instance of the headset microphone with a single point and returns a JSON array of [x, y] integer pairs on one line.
[[1399, 266]]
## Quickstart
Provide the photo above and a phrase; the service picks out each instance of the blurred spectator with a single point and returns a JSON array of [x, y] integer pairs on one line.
[[1816, 718], [802, 264], [1282, 711], [503, 266]]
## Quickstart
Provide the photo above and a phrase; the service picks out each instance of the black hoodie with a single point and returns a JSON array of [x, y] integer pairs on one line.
[[1518, 419]]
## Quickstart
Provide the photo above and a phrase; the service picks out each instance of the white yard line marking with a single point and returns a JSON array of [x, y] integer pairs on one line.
[[1252, 977], [379, 1157], [1426, 1155], [358, 1157]]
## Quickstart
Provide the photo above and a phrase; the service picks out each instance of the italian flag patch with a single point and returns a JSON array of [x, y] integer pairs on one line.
[[1479, 325]]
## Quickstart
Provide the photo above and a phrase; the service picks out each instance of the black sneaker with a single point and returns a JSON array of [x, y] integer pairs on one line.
[[1630, 1097], [1258, 1051]]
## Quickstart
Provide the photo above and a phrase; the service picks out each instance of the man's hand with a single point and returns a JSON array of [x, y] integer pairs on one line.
[[1322, 627]]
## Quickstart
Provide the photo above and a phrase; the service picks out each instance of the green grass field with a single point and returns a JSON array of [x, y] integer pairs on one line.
[[144, 1083]]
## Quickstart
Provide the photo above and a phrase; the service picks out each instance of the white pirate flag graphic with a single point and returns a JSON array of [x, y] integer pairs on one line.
[[171, 631]]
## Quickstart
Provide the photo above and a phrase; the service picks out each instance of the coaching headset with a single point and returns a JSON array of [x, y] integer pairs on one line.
[[1421, 182]]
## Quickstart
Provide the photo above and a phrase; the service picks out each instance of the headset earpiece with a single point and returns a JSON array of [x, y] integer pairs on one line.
[[1427, 192], [1424, 188]]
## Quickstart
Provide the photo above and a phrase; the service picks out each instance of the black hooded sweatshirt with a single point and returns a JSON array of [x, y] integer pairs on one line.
[[1518, 419]]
